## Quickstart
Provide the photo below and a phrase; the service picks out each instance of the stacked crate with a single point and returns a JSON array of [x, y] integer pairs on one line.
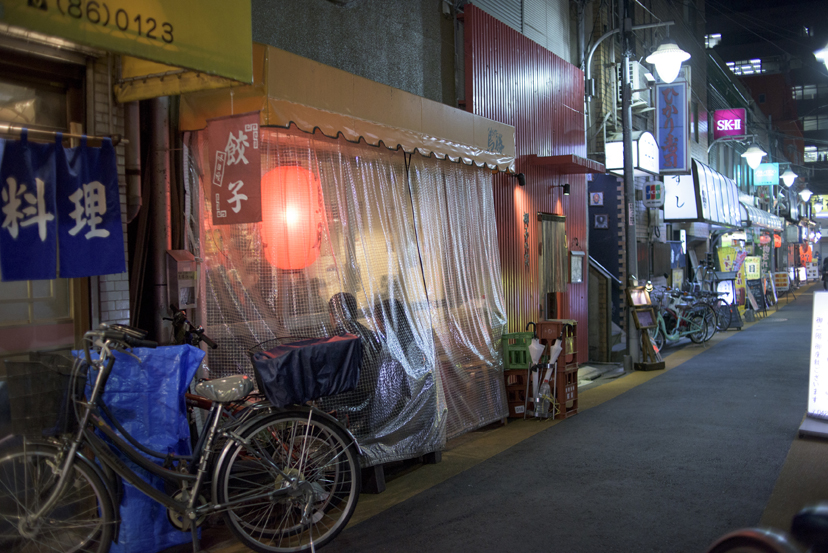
[[566, 393], [516, 363]]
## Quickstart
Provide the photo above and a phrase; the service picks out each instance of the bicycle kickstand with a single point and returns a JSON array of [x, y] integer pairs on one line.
[[194, 534]]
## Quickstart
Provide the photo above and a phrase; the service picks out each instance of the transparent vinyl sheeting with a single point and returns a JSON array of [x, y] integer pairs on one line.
[[402, 251]]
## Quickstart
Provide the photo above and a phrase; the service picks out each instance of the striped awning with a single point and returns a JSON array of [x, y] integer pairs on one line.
[[755, 217]]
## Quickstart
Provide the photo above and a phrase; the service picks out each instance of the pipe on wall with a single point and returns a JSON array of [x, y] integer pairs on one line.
[[132, 155], [161, 232]]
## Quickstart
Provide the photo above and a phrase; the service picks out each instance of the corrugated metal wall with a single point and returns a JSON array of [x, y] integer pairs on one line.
[[511, 79]]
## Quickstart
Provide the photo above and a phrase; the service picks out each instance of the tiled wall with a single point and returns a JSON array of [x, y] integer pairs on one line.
[[113, 290]]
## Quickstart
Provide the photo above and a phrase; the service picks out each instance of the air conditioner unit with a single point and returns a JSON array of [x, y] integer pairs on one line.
[[639, 83]]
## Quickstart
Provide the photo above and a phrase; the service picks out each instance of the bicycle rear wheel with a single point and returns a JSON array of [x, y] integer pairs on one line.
[[80, 522], [322, 460]]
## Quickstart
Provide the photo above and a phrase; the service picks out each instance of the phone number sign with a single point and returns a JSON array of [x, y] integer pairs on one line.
[[202, 35]]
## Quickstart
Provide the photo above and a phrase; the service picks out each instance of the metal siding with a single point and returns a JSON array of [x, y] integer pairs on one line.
[[513, 80], [509, 12]]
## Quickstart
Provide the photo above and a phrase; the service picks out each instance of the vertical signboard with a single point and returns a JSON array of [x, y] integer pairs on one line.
[[672, 127], [235, 163], [815, 423]]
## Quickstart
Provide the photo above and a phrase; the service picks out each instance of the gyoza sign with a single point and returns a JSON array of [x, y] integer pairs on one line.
[[51, 195]]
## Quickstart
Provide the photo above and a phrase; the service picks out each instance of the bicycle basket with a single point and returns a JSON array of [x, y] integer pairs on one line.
[[37, 399], [305, 370]]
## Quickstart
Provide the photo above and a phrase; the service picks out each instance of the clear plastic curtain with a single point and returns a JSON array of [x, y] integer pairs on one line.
[[461, 263], [374, 277]]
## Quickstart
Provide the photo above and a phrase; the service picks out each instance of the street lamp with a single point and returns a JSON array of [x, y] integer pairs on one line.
[[822, 55], [754, 155], [788, 177], [805, 195], [667, 60]]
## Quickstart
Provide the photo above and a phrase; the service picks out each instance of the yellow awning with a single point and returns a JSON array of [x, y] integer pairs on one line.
[[289, 89]]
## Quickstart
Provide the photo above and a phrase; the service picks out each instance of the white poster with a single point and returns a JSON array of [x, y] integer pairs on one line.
[[818, 382]]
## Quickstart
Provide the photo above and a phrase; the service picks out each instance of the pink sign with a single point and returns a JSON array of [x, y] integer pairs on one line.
[[728, 122]]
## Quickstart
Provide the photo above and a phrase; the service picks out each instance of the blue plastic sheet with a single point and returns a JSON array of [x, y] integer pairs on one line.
[[147, 398]]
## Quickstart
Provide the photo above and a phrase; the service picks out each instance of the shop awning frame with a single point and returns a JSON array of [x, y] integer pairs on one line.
[[755, 217], [289, 90]]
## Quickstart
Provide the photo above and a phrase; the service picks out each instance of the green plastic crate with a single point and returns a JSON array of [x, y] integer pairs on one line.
[[516, 350]]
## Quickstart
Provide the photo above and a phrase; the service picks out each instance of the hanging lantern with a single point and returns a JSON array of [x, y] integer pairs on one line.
[[292, 217]]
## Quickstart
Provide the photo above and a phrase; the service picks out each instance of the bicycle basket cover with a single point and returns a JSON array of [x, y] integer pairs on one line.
[[309, 369]]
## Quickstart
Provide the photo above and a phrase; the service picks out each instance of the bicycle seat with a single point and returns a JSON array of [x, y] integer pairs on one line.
[[225, 390]]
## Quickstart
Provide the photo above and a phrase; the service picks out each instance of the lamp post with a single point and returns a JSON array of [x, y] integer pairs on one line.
[[625, 16]]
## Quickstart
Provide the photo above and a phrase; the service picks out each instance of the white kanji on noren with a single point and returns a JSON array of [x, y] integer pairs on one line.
[[237, 198], [235, 148], [15, 218], [90, 204]]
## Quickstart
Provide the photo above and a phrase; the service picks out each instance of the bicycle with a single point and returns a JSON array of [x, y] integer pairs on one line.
[[808, 529], [284, 479], [685, 320], [719, 305]]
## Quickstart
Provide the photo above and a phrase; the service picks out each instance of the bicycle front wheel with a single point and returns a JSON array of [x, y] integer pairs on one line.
[[310, 468], [723, 315], [710, 318], [698, 327], [80, 522]]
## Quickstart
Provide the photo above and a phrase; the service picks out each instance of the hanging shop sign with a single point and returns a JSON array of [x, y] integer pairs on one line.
[[653, 194], [728, 122], [206, 37], [703, 196], [672, 126], [236, 169], [53, 196], [766, 174], [644, 154]]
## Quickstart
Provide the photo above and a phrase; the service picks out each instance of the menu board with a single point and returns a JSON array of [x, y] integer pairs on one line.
[[755, 290], [781, 281], [818, 382]]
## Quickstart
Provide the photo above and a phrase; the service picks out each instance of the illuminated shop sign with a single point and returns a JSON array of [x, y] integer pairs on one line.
[[672, 127], [728, 122], [766, 173], [704, 196], [644, 154]]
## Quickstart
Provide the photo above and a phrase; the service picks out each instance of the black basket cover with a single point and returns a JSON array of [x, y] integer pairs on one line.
[[308, 369]]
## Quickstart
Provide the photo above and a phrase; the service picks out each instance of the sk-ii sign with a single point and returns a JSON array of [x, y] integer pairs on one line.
[[728, 122]]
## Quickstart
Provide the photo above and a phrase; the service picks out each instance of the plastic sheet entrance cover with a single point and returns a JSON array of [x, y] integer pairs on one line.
[[403, 254]]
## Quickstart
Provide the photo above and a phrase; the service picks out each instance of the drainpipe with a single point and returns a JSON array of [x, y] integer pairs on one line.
[[160, 227], [132, 126]]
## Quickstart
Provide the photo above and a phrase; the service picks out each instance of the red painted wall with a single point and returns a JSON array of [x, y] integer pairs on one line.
[[513, 80]]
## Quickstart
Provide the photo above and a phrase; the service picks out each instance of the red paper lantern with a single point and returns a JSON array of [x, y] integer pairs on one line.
[[291, 217]]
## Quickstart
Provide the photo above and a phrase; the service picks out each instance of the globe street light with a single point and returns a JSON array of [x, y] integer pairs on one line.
[[805, 195], [788, 177], [667, 60], [754, 155]]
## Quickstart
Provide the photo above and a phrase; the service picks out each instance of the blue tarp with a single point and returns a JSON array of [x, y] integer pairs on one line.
[[147, 398]]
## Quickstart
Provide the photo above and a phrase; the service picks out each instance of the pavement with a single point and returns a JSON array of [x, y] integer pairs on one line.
[[662, 461]]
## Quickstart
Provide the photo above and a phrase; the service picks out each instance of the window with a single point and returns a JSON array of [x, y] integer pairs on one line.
[[807, 92], [746, 67], [711, 41], [814, 154], [815, 123]]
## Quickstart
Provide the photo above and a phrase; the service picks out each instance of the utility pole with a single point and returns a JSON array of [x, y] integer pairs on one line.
[[625, 20]]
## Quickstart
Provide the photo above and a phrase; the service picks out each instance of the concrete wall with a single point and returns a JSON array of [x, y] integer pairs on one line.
[[407, 44]]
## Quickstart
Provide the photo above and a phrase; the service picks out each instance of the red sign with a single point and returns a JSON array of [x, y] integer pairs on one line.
[[235, 170], [728, 122]]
